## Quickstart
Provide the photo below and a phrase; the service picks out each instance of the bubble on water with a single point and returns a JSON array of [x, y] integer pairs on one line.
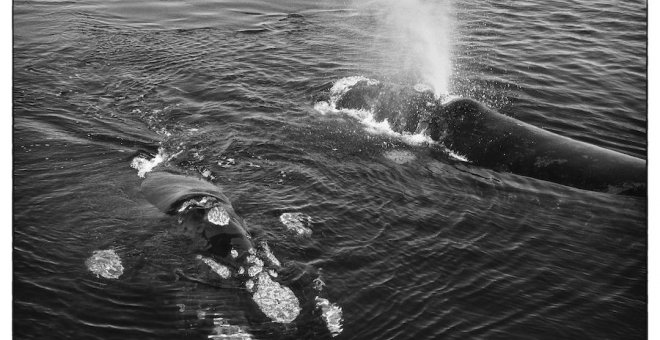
[[221, 270], [218, 216], [278, 302], [332, 315], [223, 330], [249, 284], [241, 271], [295, 223], [105, 263], [144, 165]]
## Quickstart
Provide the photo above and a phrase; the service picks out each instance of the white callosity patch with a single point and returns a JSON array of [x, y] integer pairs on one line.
[[105, 263], [218, 216], [234, 253], [295, 222], [257, 265], [269, 255], [144, 165], [278, 302], [332, 315], [223, 330], [366, 117], [400, 156], [318, 284], [221, 270], [205, 202], [249, 284]]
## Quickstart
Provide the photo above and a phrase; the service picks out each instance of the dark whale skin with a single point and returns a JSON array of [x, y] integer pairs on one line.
[[490, 139], [169, 191]]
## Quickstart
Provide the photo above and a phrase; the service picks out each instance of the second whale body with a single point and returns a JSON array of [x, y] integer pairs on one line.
[[490, 139]]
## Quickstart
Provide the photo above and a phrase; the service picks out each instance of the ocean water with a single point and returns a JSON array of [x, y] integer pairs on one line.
[[377, 237]]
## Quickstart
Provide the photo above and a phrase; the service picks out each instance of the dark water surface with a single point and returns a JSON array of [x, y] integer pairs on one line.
[[409, 245]]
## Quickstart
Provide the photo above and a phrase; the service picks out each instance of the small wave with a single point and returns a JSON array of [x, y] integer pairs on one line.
[[144, 165], [105, 263], [295, 223], [332, 315], [366, 117]]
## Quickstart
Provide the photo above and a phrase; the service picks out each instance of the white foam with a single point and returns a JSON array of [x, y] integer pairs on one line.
[[221, 270], [278, 302], [295, 222], [105, 263], [332, 315], [144, 165], [366, 117]]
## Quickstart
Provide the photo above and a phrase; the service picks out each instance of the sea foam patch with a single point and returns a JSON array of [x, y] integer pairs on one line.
[[332, 315], [297, 223], [105, 263]]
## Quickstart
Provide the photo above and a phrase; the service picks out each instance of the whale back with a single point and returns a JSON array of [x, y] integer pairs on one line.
[[491, 139], [167, 191], [170, 192]]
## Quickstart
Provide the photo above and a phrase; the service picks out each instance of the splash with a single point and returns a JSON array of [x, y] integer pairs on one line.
[[105, 263], [366, 117], [144, 165], [421, 30], [332, 315]]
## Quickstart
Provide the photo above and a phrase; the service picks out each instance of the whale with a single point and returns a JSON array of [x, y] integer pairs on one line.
[[489, 139], [203, 210], [225, 244]]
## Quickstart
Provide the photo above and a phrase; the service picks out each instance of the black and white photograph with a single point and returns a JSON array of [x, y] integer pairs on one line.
[[340, 169]]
